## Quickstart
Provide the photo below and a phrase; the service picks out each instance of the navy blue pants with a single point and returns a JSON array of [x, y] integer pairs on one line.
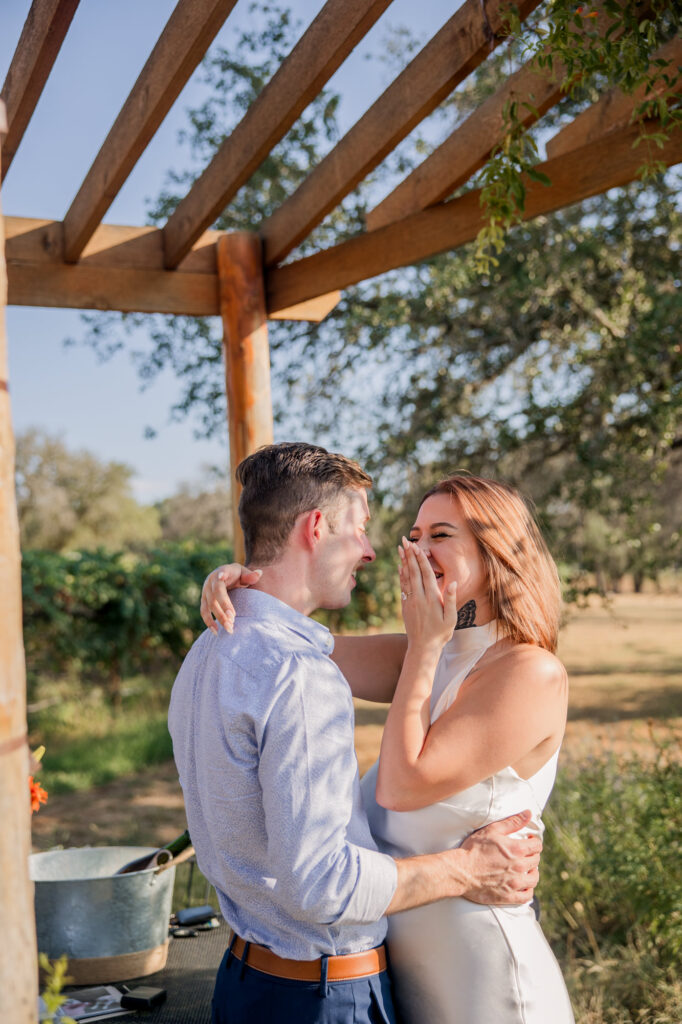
[[243, 995]]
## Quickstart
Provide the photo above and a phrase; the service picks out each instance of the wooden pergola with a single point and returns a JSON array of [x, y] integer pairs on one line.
[[188, 269]]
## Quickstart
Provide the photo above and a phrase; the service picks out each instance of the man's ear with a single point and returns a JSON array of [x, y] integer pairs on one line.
[[312, 526]]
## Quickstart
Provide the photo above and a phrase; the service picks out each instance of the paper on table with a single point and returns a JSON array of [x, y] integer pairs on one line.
[[87, 1004]]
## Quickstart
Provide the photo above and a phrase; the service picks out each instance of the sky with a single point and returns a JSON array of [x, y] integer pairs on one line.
[[67, 391]]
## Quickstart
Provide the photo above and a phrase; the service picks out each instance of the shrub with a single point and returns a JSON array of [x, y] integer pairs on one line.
[[106, 615], [611, 888], [102, 615]]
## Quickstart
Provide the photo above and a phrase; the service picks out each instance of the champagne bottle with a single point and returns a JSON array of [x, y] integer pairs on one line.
[[158, 857], [178, 844]]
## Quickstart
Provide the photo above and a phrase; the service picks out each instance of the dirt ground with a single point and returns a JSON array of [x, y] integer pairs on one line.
[[625, 668]]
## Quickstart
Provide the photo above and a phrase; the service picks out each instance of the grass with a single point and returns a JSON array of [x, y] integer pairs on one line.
[[88, 743]]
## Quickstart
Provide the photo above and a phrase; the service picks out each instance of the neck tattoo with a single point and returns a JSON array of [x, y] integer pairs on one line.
[[466, 616]]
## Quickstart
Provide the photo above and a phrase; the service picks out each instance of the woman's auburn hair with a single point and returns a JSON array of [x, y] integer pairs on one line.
[[523, 582]]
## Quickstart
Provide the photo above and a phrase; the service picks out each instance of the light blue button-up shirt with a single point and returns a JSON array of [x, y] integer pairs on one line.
[[262, 727]]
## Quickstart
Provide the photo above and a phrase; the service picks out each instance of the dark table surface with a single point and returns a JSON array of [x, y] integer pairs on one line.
[[188, 978]]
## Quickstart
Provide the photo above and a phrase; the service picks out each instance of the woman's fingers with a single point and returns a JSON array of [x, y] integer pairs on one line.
[[428, 577], [450, 604], [206, 616], [412, 579], [403, 574], [418, 583], [215, 599], [416, 561], [205, 606], [448, 598], [247, 577]]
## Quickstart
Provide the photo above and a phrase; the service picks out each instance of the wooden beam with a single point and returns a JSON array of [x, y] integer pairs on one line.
[[336, 30], [468, 148], [121, 268], [313, 310], [190, 30], [40, 41], [32, 240], [453, 53], [586, 171], [63, 285], [247, 356], [471, 144], [615, 109], [19, 960]]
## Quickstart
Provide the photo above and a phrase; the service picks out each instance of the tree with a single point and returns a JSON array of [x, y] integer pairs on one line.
[[590, 49], [559, 370], [200, 512], [72, 500], [641, 543]]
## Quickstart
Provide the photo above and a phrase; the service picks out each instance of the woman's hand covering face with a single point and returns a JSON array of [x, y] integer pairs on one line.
[[429, 616]]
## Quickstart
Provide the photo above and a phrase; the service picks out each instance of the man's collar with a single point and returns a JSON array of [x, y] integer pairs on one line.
[[256, 604]]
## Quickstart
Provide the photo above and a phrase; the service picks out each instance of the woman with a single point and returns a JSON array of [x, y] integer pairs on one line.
[[473, 734]]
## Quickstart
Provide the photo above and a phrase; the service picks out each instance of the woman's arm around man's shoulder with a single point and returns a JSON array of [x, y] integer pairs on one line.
[[371, 664]]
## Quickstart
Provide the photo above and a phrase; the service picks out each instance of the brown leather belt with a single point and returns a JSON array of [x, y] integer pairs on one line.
[[339, 968]]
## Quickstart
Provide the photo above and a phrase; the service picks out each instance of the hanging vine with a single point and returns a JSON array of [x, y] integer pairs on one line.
[[588, 48]]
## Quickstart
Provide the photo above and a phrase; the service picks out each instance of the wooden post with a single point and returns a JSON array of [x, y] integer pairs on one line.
[[247, 356], [18, 959]]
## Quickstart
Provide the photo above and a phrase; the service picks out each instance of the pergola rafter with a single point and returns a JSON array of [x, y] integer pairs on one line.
[[41, 40], [466, 150], [534, 90], [82, 263], [576, 175], [336, 30], [189, 32], [185, 268], [453, 53]]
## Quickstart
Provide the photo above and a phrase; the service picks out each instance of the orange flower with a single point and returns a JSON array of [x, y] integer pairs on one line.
[[38, 794]]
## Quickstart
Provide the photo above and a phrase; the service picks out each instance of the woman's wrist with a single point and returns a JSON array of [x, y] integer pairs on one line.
[[426, 647]]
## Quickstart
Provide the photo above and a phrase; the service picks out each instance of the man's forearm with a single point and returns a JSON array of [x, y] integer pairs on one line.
[[434, 876], [491, 867]]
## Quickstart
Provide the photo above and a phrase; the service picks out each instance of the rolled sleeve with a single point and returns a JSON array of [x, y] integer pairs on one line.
[[377, 881], [308, 776]]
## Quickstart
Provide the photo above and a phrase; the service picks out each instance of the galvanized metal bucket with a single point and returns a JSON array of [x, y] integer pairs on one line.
[[111, 927]]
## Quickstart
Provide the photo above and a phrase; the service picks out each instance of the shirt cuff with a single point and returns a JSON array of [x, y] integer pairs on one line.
[[376, 883]]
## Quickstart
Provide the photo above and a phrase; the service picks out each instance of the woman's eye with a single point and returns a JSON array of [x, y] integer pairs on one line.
[[437, 536]]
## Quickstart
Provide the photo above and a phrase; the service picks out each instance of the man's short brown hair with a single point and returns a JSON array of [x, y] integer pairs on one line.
[[280, 481]]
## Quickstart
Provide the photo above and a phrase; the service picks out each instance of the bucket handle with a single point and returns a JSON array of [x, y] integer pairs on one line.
[[183, 856]]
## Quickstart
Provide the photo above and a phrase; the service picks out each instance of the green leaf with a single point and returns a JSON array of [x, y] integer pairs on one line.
[[537, 175]]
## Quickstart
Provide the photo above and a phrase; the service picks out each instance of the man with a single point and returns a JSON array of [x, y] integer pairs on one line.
[[262, 727]]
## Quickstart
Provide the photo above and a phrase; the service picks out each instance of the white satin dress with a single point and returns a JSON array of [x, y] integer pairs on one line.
[[456, 962]]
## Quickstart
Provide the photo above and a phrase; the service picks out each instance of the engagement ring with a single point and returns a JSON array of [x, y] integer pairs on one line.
[[404, 596]]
